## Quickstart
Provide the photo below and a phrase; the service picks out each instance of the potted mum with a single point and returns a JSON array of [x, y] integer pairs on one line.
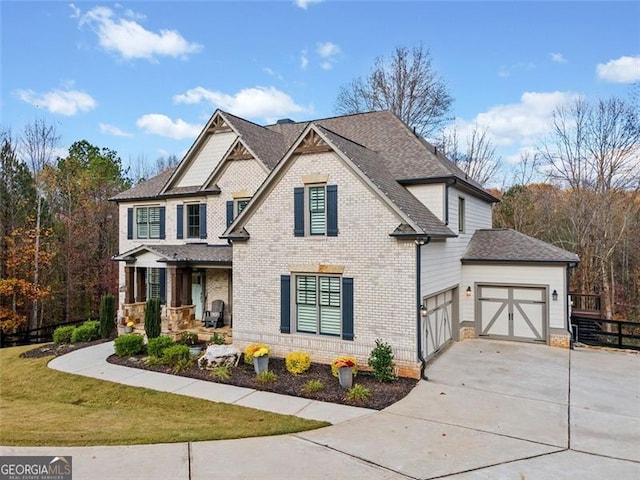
[[345, 368], [259, 355], [128, 327]]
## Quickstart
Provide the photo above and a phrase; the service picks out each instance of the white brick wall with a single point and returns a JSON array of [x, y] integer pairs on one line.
[[382, 267]]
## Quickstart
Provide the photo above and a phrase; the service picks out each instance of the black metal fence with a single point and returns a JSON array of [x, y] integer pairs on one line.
[[606, 333], [35, 335]]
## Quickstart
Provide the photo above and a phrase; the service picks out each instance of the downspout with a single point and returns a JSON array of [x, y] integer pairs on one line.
[[566, 296], [423, 362]]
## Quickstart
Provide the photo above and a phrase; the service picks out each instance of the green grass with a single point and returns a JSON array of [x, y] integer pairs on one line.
[[40, 406]]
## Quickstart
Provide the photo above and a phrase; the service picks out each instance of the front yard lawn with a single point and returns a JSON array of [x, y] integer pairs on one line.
[[40, 406]]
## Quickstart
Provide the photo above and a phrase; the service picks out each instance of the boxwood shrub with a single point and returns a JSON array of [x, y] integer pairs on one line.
[[128, 345], [63, 334], [176, 355], [157, 346], [89, 330]]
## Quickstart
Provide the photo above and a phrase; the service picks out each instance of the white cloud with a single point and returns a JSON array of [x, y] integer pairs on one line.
[[304, 4], [272, 72], [620, 70], [62, 102], [268, 103], [557, 57], [518, 124], [158, 124], [304, 60], [113, 130], [328, 49], [507, 70], [129, 39], [326, 65]]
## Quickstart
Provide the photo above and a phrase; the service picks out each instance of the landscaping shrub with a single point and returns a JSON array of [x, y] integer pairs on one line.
[[107, 315], [313, 386], [63, 334], [358, 394], [152, 326], [128, 345], [381, 360], [188, 338], [267, 377], [221, 373], [251, 349], [89, 330], [176, 356], [156, 346], [298, 362], [217, 339]]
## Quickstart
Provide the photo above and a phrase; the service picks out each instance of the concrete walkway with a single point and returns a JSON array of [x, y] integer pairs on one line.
[[491, 410]]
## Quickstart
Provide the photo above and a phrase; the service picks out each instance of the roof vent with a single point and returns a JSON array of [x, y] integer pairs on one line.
[[284, 120]]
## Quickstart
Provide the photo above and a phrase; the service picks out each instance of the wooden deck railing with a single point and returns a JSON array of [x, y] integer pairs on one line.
[[586, 304]]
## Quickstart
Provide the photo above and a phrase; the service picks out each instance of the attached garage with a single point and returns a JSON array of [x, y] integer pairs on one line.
[[512, 312], [439, 314], [516, 288]]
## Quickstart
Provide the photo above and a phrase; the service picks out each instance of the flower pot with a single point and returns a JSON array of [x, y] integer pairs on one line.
[[195, 350], [261, 364], [127, 329], [345, 376]]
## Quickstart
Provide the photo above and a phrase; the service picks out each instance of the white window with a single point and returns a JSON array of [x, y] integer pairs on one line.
[[461, 214], [148, 222], [318, 304]]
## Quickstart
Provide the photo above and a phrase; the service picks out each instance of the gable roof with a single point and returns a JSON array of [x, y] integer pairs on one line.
[[418, 219], [507, 245]]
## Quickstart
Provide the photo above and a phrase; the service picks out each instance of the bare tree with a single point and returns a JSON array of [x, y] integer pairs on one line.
[[594, 152], [478, 159], [405, 83], [39, 142]]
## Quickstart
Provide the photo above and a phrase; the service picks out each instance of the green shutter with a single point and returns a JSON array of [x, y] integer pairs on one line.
[[285, 304], [163, 228], [347, 309], [332, 210], [229, 212], [203, 220], [298, 211], [129, 223], [179, 221]]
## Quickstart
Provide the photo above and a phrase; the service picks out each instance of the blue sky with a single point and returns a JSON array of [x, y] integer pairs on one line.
[[142, 78]]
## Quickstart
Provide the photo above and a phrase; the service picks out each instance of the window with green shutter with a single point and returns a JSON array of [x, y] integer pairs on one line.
[[193, 220], [318, 304], [148, 222]]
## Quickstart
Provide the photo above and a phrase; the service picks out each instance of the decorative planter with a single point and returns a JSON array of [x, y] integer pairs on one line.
[[126, 329], [195, 350], [345, 376], [261, 364]]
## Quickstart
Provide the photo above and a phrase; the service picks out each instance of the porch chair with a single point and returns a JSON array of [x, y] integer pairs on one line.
[[215, 316]]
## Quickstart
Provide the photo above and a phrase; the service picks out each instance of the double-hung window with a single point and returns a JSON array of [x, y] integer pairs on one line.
[[317, 210], [193, 220], [240, 204], [153, 283], [461, 215], [318, 304], [148, 222]]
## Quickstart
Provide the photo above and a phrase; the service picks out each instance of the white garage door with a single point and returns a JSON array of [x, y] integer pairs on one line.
[[437, 328], [511, 312]]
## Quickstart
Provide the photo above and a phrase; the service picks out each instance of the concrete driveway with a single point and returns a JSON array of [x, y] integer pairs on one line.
[[491, 410]]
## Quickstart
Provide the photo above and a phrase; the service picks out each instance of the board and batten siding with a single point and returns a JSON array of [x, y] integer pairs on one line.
[[441, 266], [206, 159], [551, 276], [382, 268]]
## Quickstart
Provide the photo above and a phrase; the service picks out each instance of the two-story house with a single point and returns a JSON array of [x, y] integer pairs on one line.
[[324, 236]]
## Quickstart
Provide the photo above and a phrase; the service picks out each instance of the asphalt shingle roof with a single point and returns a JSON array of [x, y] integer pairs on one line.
[[190, 252], [147, 189], [268, 145], [375, 168], [507, 245]]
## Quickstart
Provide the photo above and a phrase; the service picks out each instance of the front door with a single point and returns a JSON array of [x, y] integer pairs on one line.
[[196, 293]]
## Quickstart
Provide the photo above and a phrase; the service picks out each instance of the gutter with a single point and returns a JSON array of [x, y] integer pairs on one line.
[[423, 362]]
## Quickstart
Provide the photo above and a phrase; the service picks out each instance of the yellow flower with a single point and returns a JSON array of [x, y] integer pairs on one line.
[[261, 352], [130, 324]]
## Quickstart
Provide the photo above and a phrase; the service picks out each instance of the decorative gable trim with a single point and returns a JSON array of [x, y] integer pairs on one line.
[[312, 143], [239, 152], [218, 125]]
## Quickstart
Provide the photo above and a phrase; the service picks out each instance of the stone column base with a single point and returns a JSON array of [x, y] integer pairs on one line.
[[560, 338], [180, 318]]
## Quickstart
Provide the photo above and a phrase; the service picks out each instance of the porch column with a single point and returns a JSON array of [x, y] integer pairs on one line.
[[186, 287], [141, 284], [129, 282], [175, 287]]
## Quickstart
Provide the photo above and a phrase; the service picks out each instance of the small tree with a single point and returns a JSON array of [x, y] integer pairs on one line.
[[381, 360], [152, 318], [107, 315]]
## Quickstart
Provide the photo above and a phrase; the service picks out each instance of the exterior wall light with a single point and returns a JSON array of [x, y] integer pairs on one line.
[[554, 295], [423, 310], [468, 291]]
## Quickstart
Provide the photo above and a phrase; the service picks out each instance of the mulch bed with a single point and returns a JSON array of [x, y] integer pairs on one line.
[[382, 394], [53, 350]]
